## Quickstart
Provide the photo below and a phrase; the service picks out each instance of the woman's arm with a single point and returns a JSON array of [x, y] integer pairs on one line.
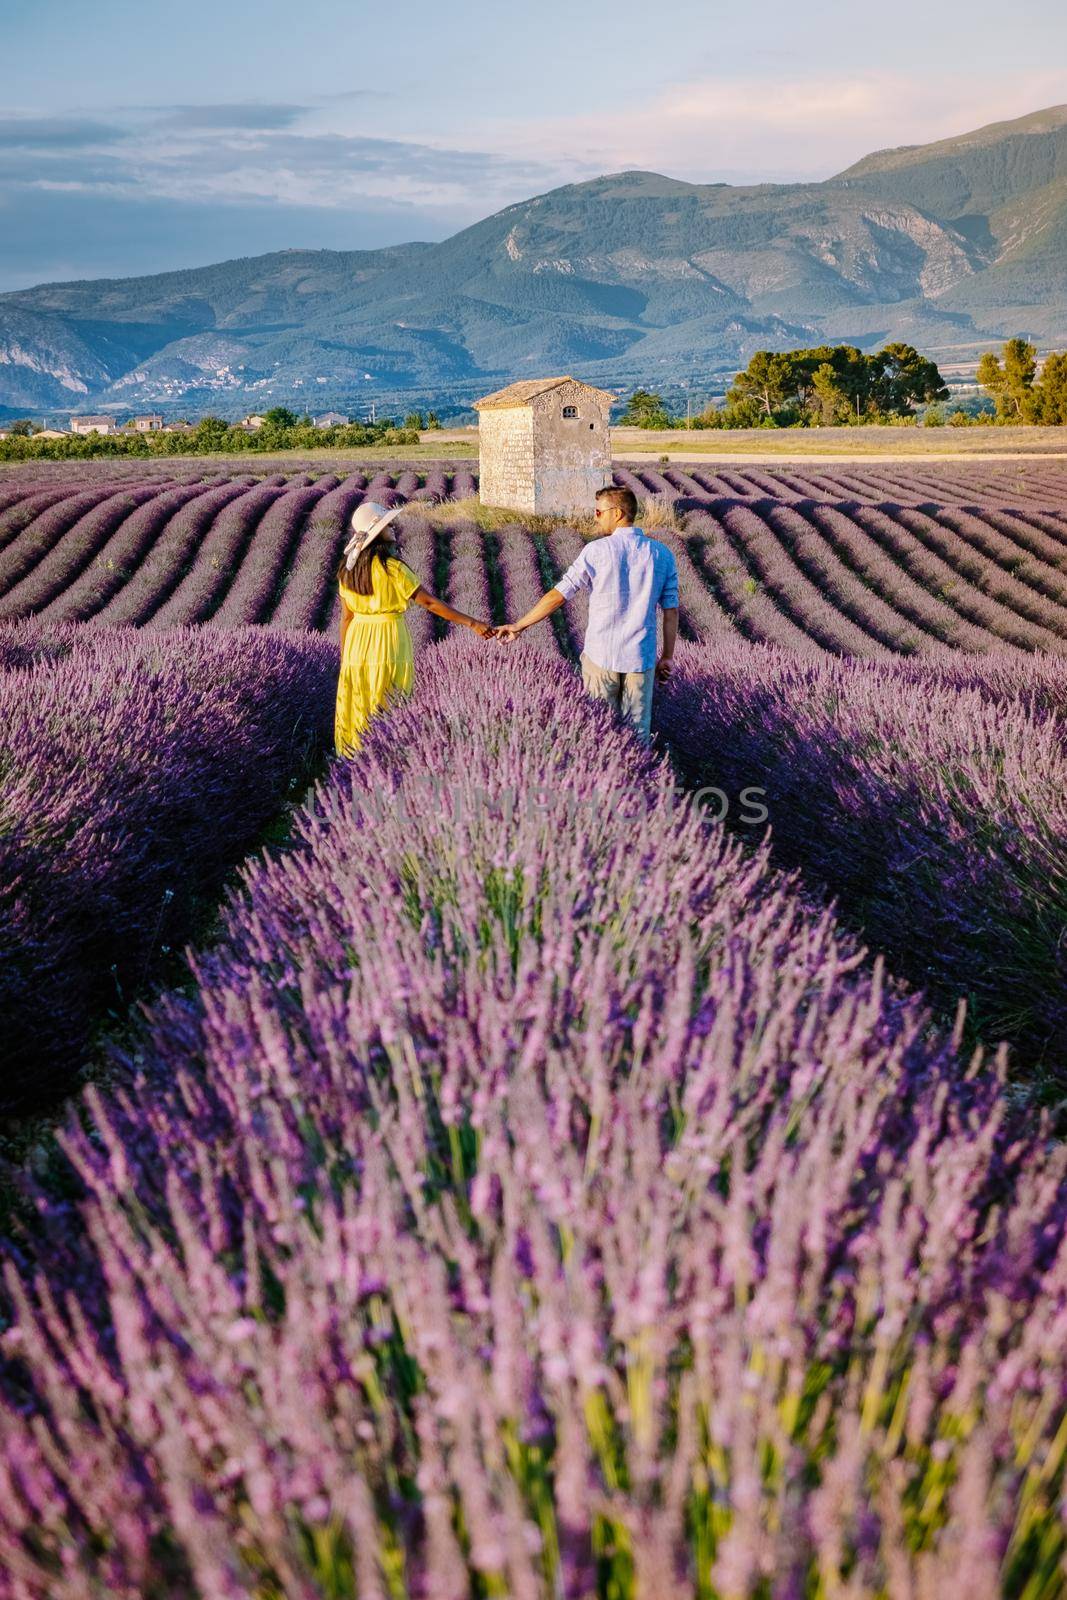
[[346, 618], [439, 608]]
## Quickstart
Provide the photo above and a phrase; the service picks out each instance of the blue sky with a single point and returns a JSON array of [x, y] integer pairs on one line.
[[136, 136]]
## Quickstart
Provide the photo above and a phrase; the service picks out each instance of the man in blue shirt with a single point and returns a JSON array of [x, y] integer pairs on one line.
[[628, 576]]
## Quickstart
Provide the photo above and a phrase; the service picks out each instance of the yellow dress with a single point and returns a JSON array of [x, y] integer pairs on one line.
[[377, 660]]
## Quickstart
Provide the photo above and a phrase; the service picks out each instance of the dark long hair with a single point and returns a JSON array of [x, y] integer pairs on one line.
[[360, 579]]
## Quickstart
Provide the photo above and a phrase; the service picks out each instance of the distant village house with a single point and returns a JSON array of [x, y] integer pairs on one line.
[[152, 423], [252, 422], [93, 425], [331, 419], [544, 446]]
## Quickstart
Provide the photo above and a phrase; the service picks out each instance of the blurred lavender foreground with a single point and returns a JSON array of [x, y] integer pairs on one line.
[[530, 1209], [137, 769]]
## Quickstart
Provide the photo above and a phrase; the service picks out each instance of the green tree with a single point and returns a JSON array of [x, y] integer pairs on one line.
[[414, 419], [280, 417], [828, 401], [854, 378], [432, 420], [770, 379], [1011, 380], [23, 428], [906, 380], [1051, 392], [645, 410], [210, 434], [745, 413], [837, 382]]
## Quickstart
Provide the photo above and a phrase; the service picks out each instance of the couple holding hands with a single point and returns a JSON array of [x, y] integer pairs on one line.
[[628, 575]]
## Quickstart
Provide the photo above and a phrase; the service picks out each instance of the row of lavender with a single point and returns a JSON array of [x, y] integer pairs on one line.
[[535, 1197], [138, 769], [1040, 482], [931, 798], [852, 579]]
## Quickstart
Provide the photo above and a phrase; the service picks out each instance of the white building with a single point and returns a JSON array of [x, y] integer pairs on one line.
[[544, 446], [252, 422], [331, 419], [93, 425]]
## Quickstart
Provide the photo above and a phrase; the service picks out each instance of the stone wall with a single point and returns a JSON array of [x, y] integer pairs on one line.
[[506, 458]]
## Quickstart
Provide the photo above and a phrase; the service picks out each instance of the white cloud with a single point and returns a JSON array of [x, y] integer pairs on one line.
[[264, 154]]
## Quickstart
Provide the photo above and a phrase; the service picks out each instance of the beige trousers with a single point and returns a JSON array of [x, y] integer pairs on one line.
[[630, 693]]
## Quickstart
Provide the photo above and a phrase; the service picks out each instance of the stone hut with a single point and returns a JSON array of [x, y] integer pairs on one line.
[[544, 446]]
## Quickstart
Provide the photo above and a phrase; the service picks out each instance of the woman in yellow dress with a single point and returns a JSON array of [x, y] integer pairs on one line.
[[376, 587]]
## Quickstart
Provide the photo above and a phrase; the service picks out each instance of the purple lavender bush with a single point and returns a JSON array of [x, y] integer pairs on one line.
[[80, 598], [20, 506], [162, 568], [308, 587], [217, 562], [138, 769], [250, 598], [930, 797], [38, 535]]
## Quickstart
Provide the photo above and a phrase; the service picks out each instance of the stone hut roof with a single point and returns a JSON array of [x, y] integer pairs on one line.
[[528, 389]]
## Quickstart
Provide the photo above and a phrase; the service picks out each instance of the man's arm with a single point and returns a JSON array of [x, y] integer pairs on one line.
[[579, 575], [670, 635], [544, 608], [669, 602]]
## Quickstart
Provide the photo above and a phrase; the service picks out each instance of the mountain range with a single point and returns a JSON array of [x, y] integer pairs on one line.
[[631, 277]]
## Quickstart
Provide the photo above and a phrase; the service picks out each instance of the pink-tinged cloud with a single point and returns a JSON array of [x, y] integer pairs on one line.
[[766, 126]]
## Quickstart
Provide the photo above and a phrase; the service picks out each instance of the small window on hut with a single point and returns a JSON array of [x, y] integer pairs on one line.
[[570, 412]]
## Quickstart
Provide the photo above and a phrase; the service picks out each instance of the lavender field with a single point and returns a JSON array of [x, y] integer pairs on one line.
[[537, 1186], [859, 561]]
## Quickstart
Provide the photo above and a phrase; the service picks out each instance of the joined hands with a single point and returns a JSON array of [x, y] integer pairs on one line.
[[506, 633]]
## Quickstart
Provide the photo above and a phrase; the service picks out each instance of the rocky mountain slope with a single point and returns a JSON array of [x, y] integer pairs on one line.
[[950, 245]]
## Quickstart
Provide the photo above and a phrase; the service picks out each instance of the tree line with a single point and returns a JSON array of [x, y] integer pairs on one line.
[[841, 385], [282, 430], [829, 385]]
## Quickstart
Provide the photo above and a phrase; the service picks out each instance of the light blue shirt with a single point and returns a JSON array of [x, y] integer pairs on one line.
[[628, 575]]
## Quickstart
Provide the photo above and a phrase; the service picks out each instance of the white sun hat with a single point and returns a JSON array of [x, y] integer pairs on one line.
[[368, 520]]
